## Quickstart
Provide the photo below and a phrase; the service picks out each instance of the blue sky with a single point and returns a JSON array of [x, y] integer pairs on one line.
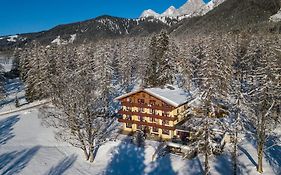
[[22, 16]]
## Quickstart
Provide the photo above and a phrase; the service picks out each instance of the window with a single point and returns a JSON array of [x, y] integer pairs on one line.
[[140, 118], [164, 113], [152, 102], [165, 122], [152, 111], [129, 125], [166, 132], [154, 129], [140, 110], [128, 117], [151, 119]]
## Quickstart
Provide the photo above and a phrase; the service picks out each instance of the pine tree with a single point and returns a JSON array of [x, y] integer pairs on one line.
[[238, 51], [212, 77], [158, 63], [262, 78]]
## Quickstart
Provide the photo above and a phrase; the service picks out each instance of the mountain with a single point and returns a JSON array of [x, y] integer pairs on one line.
[[149, 13], [90, 30], [232, 15], [216, 16], [190, 9], [207, 7], [191, 6], [171, 12]]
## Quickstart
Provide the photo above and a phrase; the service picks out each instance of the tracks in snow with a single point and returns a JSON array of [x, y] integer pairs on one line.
[[25, 108]]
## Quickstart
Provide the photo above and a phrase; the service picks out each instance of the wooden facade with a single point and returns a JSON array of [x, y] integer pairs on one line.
[[150, 114]]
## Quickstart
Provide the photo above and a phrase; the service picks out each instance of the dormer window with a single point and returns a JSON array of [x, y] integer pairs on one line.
[[152, 102], [141, 101]]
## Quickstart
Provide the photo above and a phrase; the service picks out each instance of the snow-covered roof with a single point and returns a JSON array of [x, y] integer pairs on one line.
[[172, 95]]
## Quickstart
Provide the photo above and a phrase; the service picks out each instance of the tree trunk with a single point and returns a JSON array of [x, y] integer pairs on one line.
[[234, 156], [91, 151], [86, 154], [207, 168], [207, 163], [260, 155], [84, 148], [261, 140]]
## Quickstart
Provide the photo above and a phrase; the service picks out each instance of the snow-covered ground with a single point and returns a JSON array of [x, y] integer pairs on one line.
[[28, 148]]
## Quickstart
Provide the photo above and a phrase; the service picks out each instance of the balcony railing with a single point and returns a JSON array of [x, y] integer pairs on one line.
[[145, 105], [146, 124], [147, 115]]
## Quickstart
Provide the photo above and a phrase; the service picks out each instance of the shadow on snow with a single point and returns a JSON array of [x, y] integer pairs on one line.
[[6, 128], [248, 155], [13, 85], [63, 165], [128, 159], [273, 155], [13, 162], [223, 164], [163, 166]]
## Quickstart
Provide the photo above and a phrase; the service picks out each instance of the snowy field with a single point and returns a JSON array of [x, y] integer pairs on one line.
[[28, 148]]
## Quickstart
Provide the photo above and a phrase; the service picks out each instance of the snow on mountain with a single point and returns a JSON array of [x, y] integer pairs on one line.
[[206, 8], [276, 17], [72, 38], [59, 41], [149, 13], [191, 6], [171, 12], [12, 38], [190, 9]]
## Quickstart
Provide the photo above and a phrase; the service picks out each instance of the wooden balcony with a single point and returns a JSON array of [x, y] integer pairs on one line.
[[146, 124], [147, 115], [145, 105]]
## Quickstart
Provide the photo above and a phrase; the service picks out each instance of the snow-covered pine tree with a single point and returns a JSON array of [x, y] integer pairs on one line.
[[168, 64], [212, 76], [142, 60], [238, 46], [263, 87], [159, 45], [104, 56], [127, 57], [36, 72], [16, 61]]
